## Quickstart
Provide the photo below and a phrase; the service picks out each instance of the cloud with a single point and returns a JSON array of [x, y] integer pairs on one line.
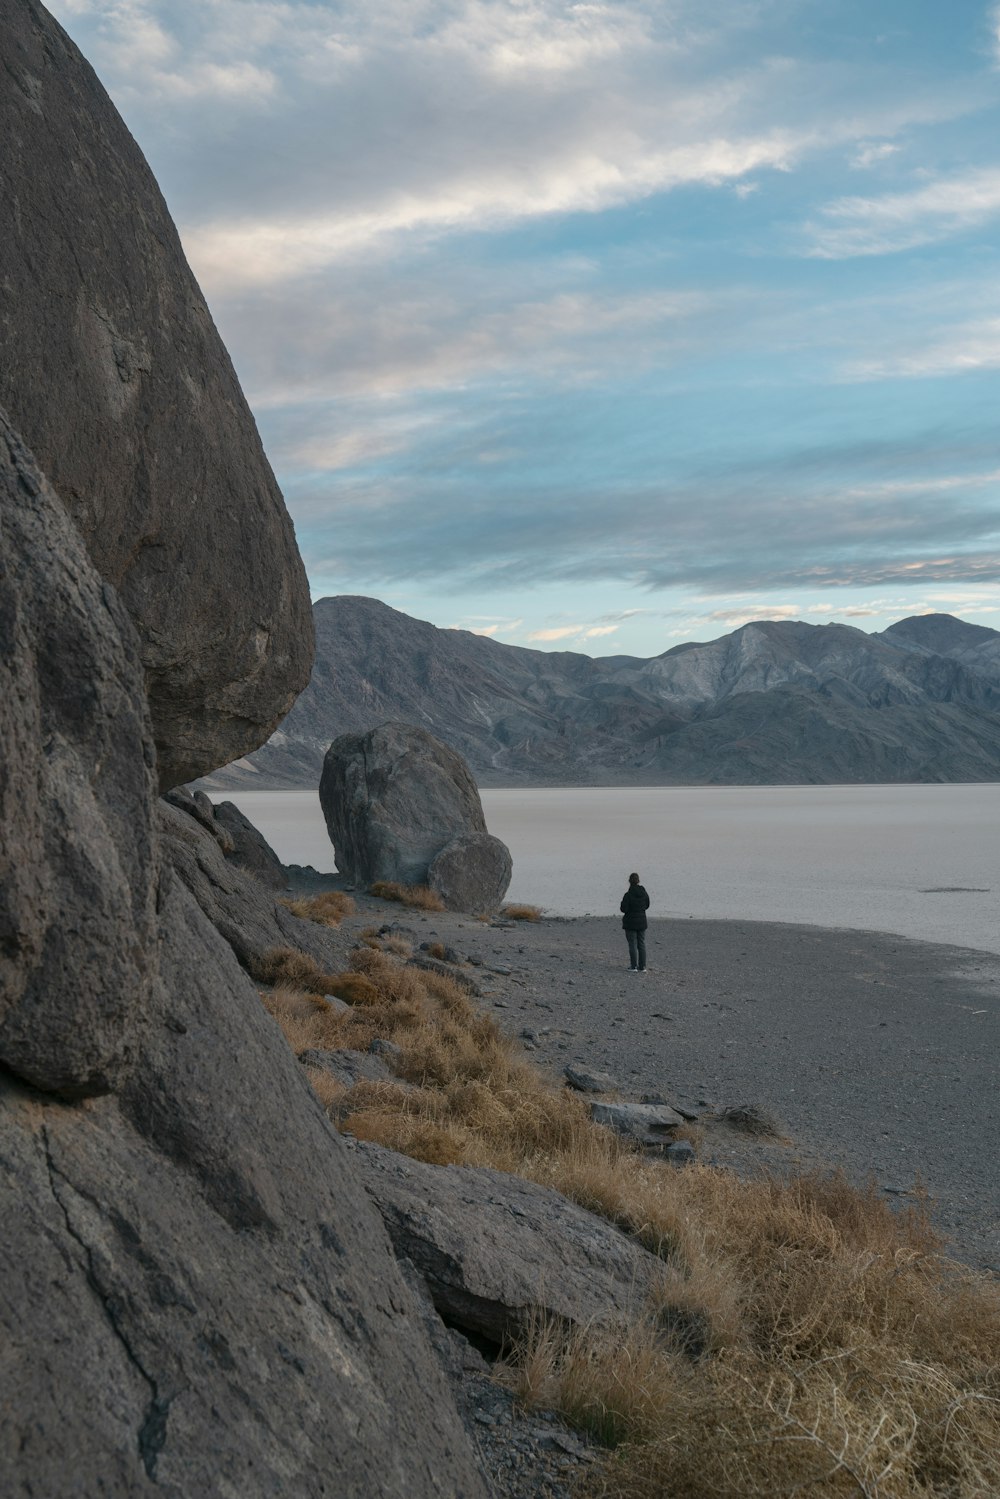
[[901, 221], [967, 347], [798, 523], [386, 341], [870, 153], [586, 177], [558, 632], [735, 615]]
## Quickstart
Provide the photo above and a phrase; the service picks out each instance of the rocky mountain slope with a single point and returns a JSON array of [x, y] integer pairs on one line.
[[772, 703]]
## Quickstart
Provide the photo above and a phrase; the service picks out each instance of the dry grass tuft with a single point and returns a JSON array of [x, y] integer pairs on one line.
[[329, 908], [521, 913], [297, 970], [398, 945], [422, 897], [436, 950], [805, 1339]]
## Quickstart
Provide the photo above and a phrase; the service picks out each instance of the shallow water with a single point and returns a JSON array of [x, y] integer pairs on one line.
[[923, 861]]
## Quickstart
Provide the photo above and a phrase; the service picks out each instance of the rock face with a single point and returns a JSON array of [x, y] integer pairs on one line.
[[78, 875], [251, 850], [471, 873], [196, 1295], [111, 368], [493, 1249], [775, 702], [394, 798]]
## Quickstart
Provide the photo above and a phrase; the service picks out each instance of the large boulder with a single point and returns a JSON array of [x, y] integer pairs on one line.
[[495, 1250], [393, 799], [113, 371], [196, 1295], [78, 874]]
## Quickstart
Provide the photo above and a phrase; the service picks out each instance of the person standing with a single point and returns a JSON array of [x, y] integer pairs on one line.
[[634, 905]]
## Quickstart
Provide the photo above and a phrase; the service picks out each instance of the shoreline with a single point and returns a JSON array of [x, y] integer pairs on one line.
[[877, 1052], [916, 861]]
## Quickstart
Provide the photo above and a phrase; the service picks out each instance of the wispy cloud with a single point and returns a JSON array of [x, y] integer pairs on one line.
[[965, 348], [556, 632], [870, 153], [585, 178], [900, 221]]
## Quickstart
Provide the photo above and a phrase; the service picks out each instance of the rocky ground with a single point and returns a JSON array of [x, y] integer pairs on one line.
[[874, 1054]]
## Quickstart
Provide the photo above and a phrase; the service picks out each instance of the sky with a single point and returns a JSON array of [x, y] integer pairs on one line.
[[599, 326]]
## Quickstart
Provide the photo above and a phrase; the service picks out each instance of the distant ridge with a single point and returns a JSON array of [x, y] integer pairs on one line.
[[776, 702]]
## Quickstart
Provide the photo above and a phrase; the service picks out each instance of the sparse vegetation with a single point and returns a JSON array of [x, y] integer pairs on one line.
[[521, 913], [806, 1339], [328, 908], [421, 897]]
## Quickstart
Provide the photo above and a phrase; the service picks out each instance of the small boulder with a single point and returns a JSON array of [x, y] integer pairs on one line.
[[586, 1080], [347, 1067], [472, 873], [645, 1123]]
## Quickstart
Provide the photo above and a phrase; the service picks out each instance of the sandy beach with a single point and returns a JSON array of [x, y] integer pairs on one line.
[[876, 1052]]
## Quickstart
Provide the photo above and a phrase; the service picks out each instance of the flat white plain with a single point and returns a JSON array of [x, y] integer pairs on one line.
[[921, 861]]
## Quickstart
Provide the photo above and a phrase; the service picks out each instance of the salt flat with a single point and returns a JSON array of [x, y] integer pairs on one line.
[[921, 861]]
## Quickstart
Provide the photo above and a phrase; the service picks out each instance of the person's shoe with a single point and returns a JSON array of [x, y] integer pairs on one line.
[[642, 970], [631, 970]]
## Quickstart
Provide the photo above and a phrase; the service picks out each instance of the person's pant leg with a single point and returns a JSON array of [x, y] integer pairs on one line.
[[641, 945], [633, 948]]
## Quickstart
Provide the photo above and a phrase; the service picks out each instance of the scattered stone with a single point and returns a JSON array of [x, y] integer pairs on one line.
[[751, 1119], [645, 1123], [685, 1112], [587, 1080], [336, 1004], [680, 1153]]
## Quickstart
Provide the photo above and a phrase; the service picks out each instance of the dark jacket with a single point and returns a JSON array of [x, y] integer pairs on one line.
[[635, 904]]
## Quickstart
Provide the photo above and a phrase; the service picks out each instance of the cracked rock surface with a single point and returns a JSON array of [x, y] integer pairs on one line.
[[196, 1296]]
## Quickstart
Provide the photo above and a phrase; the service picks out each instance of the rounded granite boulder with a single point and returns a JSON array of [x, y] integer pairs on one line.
[[112, 370], [471, 873], [394, 799]]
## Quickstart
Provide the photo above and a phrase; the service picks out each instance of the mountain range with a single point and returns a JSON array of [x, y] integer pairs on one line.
[[774, 702]]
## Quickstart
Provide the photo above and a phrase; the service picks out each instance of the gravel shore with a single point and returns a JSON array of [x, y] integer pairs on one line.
[[876, 1052]]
